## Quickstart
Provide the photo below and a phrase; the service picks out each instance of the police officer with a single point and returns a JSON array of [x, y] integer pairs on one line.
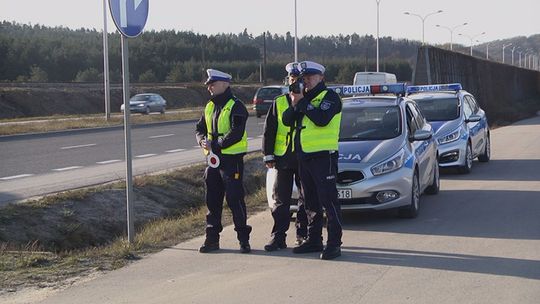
[[278, 153], [221, 132], [316, 112]]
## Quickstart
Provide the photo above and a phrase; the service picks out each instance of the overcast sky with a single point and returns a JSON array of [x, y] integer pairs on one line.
[[498, 18]]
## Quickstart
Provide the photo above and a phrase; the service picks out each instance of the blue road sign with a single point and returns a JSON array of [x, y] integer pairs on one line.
[[129, 16]]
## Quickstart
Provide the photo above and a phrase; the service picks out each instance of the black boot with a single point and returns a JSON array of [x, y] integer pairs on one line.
[[330, 252], [209, 246], [275, 244], [309, 245], [245, 247]]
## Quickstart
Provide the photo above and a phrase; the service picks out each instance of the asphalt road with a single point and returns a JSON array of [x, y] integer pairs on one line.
[[477, 241], [45, 163]]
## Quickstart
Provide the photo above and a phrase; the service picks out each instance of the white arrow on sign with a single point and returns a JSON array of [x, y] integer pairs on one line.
[[123, 11]]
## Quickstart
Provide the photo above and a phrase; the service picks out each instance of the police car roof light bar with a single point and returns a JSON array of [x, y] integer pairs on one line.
[[434, 88], [395, 88]]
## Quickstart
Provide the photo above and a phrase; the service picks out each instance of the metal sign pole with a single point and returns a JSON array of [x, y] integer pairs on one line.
[[106, 64], [127, 135]]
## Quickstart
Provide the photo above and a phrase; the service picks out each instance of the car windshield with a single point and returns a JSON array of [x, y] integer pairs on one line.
[[370, 123], [140, 97], [269, 93], [439, 109]]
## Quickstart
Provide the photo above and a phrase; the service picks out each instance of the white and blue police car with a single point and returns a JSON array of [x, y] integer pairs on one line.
[[460, 125], [387, 154]]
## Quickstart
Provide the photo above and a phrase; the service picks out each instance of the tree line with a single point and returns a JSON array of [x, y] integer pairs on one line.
[[36, 53]]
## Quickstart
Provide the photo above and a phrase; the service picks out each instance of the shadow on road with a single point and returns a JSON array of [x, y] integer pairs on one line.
[[529, 269], [464, 213]]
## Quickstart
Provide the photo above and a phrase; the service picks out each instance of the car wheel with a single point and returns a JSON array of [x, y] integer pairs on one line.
[[436, 184], [467, 166], [162, 111], [411, 211], [484, 157], [146, 111]]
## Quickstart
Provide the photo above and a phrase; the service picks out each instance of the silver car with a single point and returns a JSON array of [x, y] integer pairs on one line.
[[146, 103], [461, 126], [387, 156]]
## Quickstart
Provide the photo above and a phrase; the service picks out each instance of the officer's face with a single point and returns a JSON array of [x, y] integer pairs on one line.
[[311, 80], [217, 87]]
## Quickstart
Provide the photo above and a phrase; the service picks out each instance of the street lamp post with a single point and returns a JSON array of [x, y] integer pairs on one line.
[[423, 18], [106, 81], [513, 49], [503, 47], [378, 2], [472, 38], [451, 30]]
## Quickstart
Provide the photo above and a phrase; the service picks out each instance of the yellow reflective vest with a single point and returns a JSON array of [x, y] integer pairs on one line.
[[224, 127], [284, 134], [315, 138]]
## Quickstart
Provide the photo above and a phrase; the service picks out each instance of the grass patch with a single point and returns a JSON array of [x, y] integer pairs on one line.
[[69, 122], [79, 232]]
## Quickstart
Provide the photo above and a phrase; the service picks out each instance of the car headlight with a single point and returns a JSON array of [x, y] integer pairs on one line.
[[450, 137], [390, 165], [140, 105]]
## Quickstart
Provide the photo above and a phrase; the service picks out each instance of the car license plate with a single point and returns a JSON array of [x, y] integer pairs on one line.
[[344, 193]]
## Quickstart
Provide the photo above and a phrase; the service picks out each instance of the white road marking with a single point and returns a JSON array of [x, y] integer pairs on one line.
[[176, 150], [67, 168], [197, 146], [108, 161], [145, 155], [78, 146], [260, 136], [160, 136], [16, 176]]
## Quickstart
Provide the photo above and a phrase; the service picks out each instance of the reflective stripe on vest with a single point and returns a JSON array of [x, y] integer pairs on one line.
[[315, 138], [284, 134], [224, 127]]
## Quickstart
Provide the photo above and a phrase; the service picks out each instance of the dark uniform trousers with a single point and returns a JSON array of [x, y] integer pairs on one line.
[[318, 176], [226, 181], [281, 211]]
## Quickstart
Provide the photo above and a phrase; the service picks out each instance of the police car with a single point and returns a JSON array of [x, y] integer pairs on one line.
[[387, 156], [460, 125]]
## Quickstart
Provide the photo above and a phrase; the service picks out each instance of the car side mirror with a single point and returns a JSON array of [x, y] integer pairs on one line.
[[473, 118], [420, 135]]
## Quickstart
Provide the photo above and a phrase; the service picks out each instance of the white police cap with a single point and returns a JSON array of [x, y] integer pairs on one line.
[[310, 67], [215, 75], [293, 68]]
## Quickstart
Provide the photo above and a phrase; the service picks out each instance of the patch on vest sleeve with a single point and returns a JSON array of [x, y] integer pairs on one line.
[[310, 107], [325, 105]]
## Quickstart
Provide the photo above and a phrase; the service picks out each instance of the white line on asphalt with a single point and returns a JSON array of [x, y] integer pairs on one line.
[[67, 168], [108, 161], [145, 155], [176, 150], [78, 146], [160, 136], [197, 146], [260, 136], [16, 176]]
